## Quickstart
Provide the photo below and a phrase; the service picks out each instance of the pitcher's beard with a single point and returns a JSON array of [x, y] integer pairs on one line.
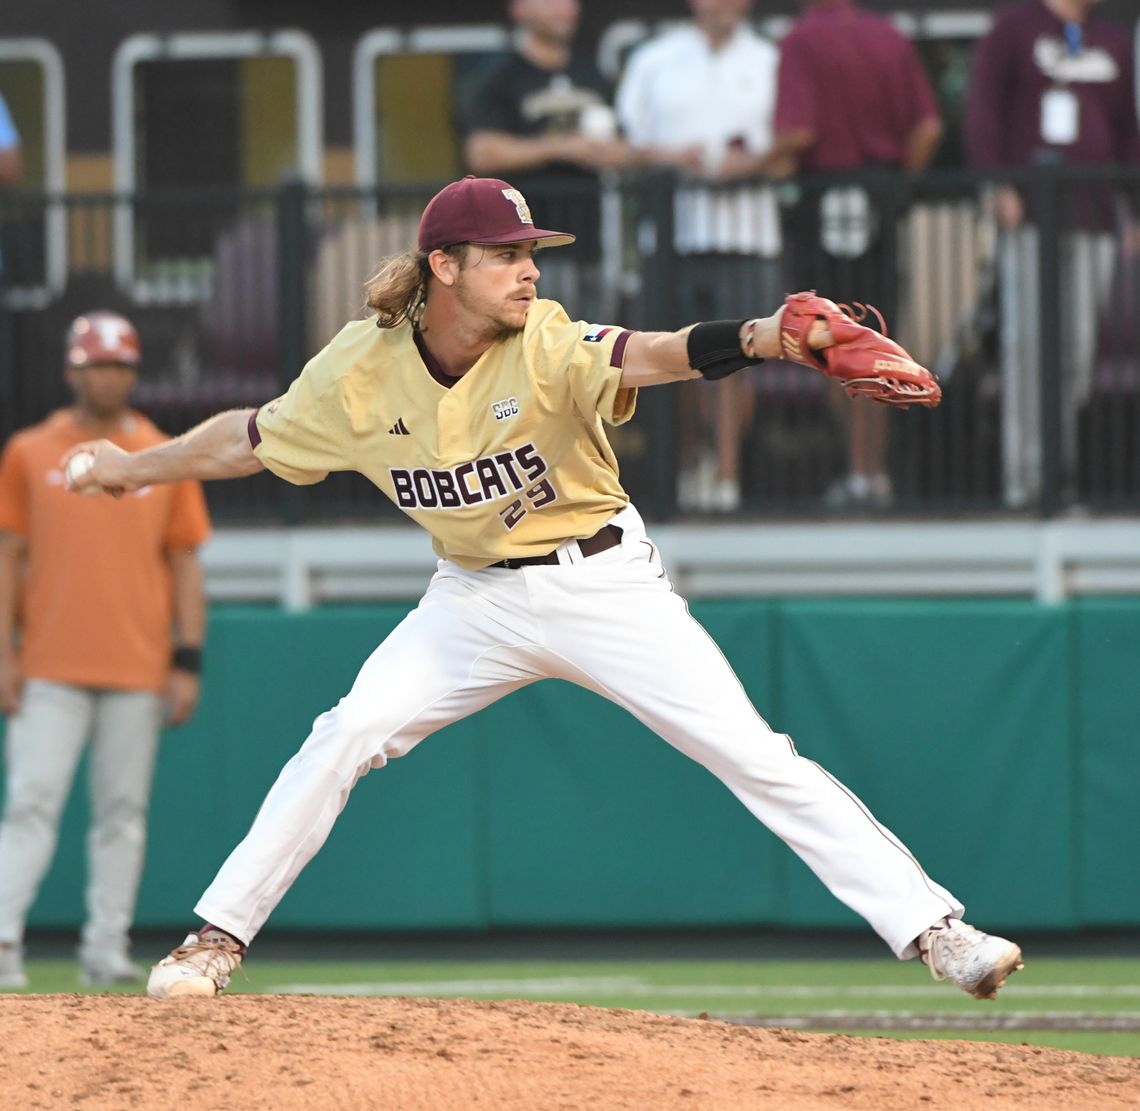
[[505, 330], [499, 328], [490, 319]]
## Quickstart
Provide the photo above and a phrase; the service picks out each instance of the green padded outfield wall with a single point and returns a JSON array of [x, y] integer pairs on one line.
[[997, 738]]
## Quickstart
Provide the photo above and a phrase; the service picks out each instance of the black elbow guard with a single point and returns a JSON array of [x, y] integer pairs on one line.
[[714, 349]]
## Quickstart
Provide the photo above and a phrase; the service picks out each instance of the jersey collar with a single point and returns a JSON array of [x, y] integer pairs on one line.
[[431, 362]]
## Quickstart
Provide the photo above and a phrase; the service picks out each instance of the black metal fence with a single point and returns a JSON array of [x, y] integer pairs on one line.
[[1035, 331]]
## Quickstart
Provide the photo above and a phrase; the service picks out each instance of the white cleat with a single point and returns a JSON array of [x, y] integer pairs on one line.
[[979, 963], [201, 965]]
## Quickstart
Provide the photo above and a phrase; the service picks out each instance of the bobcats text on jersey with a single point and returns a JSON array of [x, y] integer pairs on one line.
[[479, 480]]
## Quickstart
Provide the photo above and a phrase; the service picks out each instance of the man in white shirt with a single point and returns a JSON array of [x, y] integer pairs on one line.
[[700, 98]]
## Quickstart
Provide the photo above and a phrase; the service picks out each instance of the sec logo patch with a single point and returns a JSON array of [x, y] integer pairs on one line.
[[508, 407]]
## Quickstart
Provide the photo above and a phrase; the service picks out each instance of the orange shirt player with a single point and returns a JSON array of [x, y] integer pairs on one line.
[[101, 627]]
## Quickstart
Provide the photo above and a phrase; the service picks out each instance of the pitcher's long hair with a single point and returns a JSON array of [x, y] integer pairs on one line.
[[398, 290]]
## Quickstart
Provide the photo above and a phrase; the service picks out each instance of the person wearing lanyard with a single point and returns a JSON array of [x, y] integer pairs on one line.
[[1065, 78]]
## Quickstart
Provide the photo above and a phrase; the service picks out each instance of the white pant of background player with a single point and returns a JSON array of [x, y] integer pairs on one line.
[[477, 636], [44, 744]]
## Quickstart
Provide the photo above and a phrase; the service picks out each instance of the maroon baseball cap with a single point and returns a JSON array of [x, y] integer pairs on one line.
[[481, 210]]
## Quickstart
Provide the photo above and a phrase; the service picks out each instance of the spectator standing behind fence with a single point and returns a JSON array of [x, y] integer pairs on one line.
[[11, 159], [11, 173], [699, 98], [854, 98], [543, 118], [91, 591], [1052, 82]]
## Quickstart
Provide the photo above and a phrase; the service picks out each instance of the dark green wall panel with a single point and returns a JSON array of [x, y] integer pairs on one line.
[[1106, 763], [951, 721], [996, 738]]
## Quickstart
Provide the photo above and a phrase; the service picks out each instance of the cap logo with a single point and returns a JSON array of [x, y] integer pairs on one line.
[[111, 332], [521, 207]]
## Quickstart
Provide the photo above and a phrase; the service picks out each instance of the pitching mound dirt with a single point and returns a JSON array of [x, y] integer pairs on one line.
[[291, 1052]]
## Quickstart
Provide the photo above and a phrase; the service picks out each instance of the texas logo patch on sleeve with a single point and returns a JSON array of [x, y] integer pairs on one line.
[[596, 334]]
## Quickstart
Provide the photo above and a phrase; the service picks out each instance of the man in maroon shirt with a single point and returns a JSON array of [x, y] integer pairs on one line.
[[1064, 81], [853, 98]]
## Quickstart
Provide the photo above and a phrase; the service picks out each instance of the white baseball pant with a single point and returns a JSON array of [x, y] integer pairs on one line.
[[613, 624], [44, 743]]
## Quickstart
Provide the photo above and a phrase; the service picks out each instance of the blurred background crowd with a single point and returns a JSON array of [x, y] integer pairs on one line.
[[228, 180]]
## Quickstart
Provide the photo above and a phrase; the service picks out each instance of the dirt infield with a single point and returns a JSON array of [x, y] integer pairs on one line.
[[293, 1052]]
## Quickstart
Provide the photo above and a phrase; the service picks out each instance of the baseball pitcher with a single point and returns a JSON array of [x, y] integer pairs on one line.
[[480, 410]]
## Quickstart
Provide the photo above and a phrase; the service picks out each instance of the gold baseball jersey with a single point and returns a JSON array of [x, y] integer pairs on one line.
[[504, 462]]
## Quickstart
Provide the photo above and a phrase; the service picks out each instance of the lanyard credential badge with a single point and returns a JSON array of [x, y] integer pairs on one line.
[[1060, 116]]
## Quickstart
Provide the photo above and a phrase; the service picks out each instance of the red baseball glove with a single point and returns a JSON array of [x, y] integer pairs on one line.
[[865, 361]]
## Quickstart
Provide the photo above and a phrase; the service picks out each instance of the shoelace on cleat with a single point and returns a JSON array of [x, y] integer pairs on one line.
[[212, 945]]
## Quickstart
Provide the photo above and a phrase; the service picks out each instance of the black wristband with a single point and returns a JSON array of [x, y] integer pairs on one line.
[[714, 348], [187, 658]]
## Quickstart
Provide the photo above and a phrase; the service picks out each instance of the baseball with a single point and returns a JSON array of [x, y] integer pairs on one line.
[[77, 466]]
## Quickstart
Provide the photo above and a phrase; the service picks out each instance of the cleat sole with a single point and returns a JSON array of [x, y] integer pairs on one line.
[[993, 983], [197, 986]]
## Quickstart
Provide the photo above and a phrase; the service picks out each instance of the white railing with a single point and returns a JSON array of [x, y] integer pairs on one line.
[[1046, 560]]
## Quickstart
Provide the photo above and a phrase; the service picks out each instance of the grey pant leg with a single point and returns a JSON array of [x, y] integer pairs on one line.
[[718, 287], [123, 748], [44, 743], [1020, 367], [1086, 274], [1088, 261]]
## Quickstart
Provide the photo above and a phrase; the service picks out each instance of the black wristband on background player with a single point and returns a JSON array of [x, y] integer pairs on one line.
[[714, 348], [187, 658]]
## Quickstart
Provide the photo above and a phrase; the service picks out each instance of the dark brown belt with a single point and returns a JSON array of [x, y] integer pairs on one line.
[[609, 536]]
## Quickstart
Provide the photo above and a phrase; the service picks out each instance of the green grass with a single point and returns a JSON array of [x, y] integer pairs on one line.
[[1064, 989], [1113, 1042]]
